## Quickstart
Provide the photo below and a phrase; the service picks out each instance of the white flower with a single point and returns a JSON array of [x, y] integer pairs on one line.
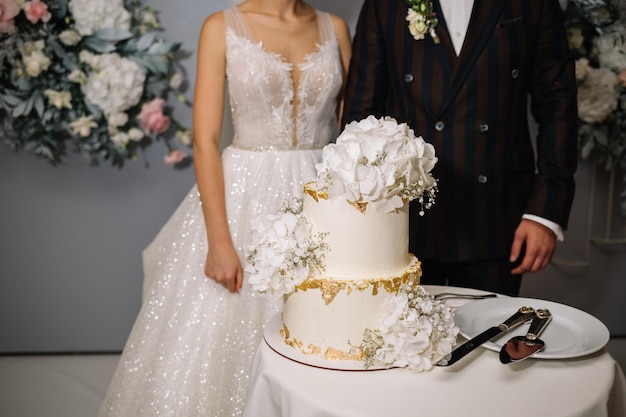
[[150, 19], [77, 76], [417, 24], [184, 136], [59, 99], [83, 125], [117, 119], [597, 95], [34, 58], [135, 134], [378, 162], [120, 138], [36, 62], [582, 68], [283, 254], [93, 15], [610, 49], [70, 37], [416, 331], [176, 81], [116, 84]]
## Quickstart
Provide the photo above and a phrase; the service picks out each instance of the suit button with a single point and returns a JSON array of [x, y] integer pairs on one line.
[[408, 78], [483, 128], [482, 179], [439, 126], [515, 73]]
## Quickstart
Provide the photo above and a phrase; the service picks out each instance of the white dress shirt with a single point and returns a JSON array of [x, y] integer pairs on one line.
[[457, 14]]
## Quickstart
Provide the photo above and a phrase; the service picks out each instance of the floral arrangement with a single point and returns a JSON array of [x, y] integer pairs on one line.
[[601, 74], [422, 19], [378, 163], [284, 252], [416, 332], [88, 76]]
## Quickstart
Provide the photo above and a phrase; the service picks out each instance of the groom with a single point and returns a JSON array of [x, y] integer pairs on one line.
[[462, 78]]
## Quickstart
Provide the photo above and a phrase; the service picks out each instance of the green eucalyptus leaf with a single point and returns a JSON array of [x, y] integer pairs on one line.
[[98, 45], [39, 104], [145, 41], [113, 34]]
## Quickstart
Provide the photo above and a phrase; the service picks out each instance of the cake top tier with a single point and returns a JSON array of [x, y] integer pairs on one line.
[[378, 163]]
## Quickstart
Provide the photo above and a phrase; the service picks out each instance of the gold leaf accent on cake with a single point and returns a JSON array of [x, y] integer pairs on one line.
[[329, 287], [333, 354], [360, 206], [314, 350], [315, 195]]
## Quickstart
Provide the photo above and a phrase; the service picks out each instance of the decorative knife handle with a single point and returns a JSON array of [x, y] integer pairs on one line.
[[541, 320], [522, 315]]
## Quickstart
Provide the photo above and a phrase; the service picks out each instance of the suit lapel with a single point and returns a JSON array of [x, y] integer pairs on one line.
[[446, 55], [484, 17]]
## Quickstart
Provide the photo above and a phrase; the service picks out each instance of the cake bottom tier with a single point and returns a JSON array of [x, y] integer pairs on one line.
[[327, 318]]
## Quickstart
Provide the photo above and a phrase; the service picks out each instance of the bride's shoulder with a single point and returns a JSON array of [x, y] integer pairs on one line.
[[214, 25], [342, 31]]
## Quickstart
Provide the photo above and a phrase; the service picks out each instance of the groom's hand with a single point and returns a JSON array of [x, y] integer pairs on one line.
[[539, 243]]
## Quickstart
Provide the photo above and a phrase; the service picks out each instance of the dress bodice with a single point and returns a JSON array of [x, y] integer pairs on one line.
[[262, 96]]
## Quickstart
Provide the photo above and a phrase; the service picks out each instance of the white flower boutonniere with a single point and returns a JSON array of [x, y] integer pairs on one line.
[[421, 19]]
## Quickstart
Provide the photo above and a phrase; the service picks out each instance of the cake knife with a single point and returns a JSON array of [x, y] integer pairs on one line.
[[522, 315]]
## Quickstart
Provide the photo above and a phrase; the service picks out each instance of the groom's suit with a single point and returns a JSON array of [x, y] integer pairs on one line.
[[473, 109]]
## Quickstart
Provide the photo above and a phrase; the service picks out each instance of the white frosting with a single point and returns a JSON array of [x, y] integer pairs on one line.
[[361, 245]]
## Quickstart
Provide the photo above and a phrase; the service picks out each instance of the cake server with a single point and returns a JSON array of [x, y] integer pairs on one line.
[[522, 315], [521, 347]]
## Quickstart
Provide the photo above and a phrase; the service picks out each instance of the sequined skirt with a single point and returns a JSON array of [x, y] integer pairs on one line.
[[191, 348]]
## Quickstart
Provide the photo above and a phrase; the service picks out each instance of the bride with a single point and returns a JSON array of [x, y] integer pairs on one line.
[[191, 348]]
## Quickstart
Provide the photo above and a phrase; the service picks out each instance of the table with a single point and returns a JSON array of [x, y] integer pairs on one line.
[[479, 385]]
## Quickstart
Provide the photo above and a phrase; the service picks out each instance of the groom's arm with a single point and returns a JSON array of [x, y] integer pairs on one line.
[[367, 77]]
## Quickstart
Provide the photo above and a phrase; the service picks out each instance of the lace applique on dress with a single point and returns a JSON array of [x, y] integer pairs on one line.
[[261, 87]]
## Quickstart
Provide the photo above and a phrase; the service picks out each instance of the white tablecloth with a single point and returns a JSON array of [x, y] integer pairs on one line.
[[479, 385]]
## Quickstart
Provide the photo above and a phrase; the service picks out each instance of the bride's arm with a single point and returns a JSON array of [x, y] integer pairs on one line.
[[222, 262]]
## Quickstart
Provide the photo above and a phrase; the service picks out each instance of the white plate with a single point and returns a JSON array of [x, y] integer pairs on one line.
[[275, 341], [571, 333]]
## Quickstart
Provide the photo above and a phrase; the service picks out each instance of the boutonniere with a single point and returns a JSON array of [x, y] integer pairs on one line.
[[421, 19]]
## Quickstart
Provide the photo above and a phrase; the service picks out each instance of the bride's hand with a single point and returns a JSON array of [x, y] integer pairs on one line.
[[223, 266]]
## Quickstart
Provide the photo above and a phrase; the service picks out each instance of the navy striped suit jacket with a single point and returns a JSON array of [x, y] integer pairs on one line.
[[474, 109]]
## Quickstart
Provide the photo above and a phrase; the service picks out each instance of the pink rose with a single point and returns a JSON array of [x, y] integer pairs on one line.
[[174, 157], [8, 10], [35, 11], [152, 118]]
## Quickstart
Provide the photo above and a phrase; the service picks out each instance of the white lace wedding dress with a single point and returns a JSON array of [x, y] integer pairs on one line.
[[192, 345]]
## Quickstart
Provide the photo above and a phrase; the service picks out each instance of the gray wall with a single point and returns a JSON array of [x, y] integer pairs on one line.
[[71, 236]]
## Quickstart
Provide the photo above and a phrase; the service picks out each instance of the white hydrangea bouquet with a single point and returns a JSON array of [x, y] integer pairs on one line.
[[416, 332], [86, 76], [284, 252], [378, 163]]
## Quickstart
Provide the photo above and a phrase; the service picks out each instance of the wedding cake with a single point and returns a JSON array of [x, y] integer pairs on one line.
[[339, 254]]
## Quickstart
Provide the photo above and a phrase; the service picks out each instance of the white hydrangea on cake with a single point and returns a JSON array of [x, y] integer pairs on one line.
[[285, 252], [378, 163], [417, 332]]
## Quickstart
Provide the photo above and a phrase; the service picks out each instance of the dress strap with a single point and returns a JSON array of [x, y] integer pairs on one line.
[[327, 31], [237, 22]]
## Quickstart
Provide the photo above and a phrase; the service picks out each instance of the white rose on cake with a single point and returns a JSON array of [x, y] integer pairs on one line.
[[378, 163]]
